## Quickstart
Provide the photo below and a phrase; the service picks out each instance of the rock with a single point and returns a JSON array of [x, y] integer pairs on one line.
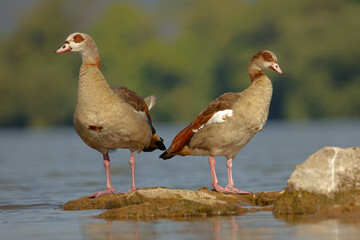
[[328, 171], [163, 202], [326, 185]]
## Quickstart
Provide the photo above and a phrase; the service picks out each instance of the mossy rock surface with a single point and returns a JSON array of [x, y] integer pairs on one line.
[[163, 202], [295, 205]]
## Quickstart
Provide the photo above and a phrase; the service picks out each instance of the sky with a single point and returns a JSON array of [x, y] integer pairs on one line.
[[10, 10]]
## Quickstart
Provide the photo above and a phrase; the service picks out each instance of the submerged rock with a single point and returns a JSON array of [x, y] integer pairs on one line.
[[163, 202], [328, 171]]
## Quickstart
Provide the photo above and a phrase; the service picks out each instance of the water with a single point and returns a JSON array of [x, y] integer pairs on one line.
[[42, 169]]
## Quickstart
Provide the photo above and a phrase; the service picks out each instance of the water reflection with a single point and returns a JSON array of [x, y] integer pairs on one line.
[[307, 227], [110, 230], [328, 229], [231, 226], [224, 228], [220, 228]]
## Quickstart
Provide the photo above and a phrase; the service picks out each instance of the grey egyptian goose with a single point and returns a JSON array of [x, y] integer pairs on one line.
[[107, 118], [228, 123]]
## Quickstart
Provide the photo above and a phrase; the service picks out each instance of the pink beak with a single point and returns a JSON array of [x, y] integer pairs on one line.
[[64, 48], [275, 66]]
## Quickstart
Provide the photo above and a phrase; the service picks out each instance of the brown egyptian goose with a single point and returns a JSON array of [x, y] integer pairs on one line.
[[228, 123], [108, 118]]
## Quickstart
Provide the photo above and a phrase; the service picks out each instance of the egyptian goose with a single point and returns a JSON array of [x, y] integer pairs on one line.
[[228, 123], [108, 118]]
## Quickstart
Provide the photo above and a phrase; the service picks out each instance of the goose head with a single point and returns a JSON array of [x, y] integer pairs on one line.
[[264, 59], [83, 44], [76, 42]]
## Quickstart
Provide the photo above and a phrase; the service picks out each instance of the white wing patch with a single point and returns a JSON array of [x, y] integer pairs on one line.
[[218, 117]]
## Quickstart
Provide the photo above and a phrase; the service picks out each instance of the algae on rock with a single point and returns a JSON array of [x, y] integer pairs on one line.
[[163, 202], [344, 206]]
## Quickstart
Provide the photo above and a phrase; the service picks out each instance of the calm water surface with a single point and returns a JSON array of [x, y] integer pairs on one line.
[[42, 169]]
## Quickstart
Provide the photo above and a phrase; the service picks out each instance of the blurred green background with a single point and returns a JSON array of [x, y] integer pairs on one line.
[[185, 52]]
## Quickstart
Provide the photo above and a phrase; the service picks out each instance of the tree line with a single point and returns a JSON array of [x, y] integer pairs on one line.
[[186, 53]]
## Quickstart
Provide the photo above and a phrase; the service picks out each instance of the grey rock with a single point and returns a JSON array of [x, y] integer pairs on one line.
[[328, 171]]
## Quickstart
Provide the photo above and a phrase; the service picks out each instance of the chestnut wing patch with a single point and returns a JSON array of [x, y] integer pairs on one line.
[[222, 103]]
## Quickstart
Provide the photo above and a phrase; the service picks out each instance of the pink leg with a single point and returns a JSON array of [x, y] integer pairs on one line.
[[132, 164], [110, 188], [230, 187], [214, 180]]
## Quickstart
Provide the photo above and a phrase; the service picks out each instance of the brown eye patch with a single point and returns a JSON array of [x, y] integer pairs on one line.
[[267, 57], [78, 38]]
